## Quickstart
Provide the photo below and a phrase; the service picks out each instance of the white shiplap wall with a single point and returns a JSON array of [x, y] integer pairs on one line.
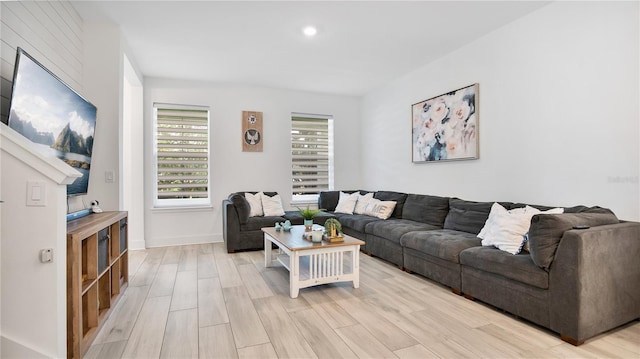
[[50, 31]]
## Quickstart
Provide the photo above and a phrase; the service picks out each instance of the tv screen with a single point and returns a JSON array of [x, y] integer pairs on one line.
[[52, 115]]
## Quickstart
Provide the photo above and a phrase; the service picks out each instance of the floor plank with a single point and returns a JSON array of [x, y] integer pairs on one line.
[[363, 343], [181, 335], [217, 342], [207, 266], [185, 293], [164, 280], [211, 307], [245, 322], [146, 337], [263, 351], [255, 284], [121, 321], [323, 340], [285, 336]]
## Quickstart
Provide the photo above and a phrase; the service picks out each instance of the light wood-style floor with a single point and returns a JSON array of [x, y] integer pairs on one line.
[[199, 301]]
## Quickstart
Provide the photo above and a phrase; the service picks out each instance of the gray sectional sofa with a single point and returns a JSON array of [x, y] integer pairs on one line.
[[576, 282]]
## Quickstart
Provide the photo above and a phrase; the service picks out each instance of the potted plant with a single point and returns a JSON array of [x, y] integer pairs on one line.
[[332, 227], [308, 215]]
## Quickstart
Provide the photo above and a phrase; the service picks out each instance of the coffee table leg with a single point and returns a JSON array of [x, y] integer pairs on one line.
[[356, 267], [267, 252], [294, 274]]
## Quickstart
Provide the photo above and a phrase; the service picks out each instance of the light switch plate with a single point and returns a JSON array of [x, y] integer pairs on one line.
[[36, 194], [108, 176]]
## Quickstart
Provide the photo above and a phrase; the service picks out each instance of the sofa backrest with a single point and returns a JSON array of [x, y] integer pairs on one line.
[[398, 197], [242, 206], [328, 200], [469, 216], [426, 209]]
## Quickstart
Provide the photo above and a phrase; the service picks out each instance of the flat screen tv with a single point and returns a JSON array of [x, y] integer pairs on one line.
[[51, 114]]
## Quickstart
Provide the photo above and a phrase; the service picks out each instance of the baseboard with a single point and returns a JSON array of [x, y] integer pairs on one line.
[[181, 241], [13, 349], [139, 244]]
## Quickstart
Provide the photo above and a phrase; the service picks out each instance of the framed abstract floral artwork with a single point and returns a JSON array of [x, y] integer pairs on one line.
[[445, 127]]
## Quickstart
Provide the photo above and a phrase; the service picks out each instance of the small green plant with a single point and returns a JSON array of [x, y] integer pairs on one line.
[[308, 213], [332, 227]]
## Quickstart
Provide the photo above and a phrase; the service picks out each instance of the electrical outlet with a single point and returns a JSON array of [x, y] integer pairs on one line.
[[46, 255]]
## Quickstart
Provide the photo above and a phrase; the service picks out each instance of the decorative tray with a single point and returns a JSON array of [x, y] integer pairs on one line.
[[332, 239]]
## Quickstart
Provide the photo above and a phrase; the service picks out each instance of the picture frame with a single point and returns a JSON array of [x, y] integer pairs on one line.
[[445, 127], [252, 131]]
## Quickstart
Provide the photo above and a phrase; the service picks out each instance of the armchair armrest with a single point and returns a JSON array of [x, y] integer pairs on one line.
[[594, 281], [230, 225]]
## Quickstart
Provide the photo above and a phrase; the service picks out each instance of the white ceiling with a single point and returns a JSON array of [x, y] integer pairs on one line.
[[360, 45]]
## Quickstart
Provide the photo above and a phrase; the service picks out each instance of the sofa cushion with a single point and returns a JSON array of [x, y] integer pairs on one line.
[[296, 218], [468, 216], [426, 209], [256, 223], [242, 207], [547, 229], [328, 200], [356, 222], [393, 228], [518, 267], [398, 197], [442, 243]]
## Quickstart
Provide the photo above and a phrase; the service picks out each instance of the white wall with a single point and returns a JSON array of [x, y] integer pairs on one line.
[[103, 68], [132, 155], [233, 170], [32, 292], [52, 33], [558, 113]]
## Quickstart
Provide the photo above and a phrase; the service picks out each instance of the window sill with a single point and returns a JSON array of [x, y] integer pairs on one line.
[[170, 209]]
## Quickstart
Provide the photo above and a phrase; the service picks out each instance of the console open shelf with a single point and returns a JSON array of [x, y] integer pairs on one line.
[[97, 275]]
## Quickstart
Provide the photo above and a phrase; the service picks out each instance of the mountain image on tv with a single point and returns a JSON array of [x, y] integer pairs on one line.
[[52, 115], [71, 141]]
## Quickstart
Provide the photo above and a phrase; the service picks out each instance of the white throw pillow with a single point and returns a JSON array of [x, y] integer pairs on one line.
[[347, 203], [506, 230], [361, 204], [380, 209], [492, 222], [272, 205], [255, 203]]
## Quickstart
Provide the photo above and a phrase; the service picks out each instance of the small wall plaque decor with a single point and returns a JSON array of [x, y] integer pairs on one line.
[[251, 131], [445, 127]]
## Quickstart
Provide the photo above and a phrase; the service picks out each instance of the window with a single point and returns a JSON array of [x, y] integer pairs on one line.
[[311, 156], [181, 154]]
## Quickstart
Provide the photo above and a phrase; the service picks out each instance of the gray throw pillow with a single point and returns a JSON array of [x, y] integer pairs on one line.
[[426, 209], [469, 216], [547, 229]]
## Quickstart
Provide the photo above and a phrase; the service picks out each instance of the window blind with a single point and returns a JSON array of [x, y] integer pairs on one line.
[[182, 152], [311, 154]]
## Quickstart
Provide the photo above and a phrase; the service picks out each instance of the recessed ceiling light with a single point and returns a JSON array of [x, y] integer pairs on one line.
[[310, 31]]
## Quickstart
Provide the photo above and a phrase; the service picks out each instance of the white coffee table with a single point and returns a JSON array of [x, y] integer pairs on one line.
[[311, 263]]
